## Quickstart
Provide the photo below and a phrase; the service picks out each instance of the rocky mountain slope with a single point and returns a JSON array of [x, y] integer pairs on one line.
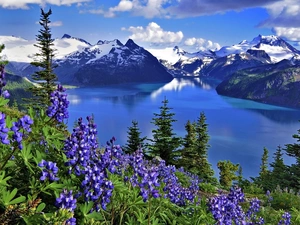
[[277, 84]]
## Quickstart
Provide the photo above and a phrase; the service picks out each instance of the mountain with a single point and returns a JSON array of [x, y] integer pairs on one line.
[[188, 64], [123, 64], [222, 63], [82, 63], [277, 84]]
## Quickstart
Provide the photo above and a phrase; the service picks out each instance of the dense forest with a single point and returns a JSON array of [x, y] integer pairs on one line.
[[49, 175]]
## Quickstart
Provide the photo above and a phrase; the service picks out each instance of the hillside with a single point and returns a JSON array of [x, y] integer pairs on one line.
[[277, 84]]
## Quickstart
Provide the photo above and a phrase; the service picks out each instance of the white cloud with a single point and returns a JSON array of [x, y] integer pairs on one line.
[[201, 44], [154, 34], [290, 33], [284, 18], [147, 8], [23, 4], [56, 24]]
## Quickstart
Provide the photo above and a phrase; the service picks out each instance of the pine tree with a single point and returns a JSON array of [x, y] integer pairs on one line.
[[263, 180], [188, 154], [165, 143], [44, 62], [134, 140], [204, 170], [227, 173], [264, 164], [279, 174], [293, 150]]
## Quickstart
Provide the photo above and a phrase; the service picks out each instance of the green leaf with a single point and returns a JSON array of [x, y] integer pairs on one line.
[[4, 179], [17, 200], [40, 207], [94, 215]]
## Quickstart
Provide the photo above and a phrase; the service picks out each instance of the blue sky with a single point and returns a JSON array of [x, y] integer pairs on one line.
[[190, 24]]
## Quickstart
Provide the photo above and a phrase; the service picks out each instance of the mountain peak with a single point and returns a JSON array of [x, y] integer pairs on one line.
[[131, 44], [115, 41], [67, 36]]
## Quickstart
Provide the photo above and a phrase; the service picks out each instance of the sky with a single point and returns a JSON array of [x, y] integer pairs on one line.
[[190, 24]]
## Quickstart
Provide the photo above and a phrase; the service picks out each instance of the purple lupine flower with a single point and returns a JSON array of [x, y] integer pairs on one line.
[[254, 207], [81, 146], [66, 201], [226, 209], [71, 221], [5, 94], [3, 129], [22, 124], [50, 170], [59, 104], [286, 219], [2, 78]]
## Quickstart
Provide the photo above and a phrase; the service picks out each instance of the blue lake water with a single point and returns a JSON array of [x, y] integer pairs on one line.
[[239, 129]]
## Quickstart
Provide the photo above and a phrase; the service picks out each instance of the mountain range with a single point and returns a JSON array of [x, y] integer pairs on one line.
[[108, 62]]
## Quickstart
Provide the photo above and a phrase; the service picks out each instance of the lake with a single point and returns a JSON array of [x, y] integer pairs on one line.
[[239, 129]]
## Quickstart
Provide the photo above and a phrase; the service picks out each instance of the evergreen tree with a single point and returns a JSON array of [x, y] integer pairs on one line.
[[279, 174], [188, 153], [227, 173], [44, 62], [204, 169], [134, 140], [293, 150], [264, 164], [165, 143], [264, 178]]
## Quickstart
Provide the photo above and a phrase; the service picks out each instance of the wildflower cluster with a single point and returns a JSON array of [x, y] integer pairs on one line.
[[19, 129], [3, 129], [5, 93], [59, 104], [226, 208], [68, 202], [286, 219], [50, 170], [80, 147]]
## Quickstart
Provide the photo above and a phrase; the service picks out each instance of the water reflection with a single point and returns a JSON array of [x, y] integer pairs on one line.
[[177, 84], [274, 113]]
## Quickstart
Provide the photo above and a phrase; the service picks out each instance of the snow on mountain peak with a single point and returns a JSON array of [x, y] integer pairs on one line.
[[273, 45], [113, 42], [67, 36]]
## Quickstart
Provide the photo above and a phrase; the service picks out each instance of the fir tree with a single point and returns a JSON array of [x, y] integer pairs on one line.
[[134, 140], [188, 153], [204, 169], [279, 174], [263, 180], [293, 150], [165, 143], [44, 62], [264, 164]]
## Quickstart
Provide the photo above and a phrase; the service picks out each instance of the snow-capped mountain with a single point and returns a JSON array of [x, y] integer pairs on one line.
[[76, 58], [274, 46], [228, 59], [81, 62], [122, 64]]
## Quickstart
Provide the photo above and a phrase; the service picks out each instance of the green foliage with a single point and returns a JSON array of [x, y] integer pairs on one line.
[[284, 199], [134, 140], [194, 154], [227, 172], [164, 143], [208, 188], [44, 76]]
